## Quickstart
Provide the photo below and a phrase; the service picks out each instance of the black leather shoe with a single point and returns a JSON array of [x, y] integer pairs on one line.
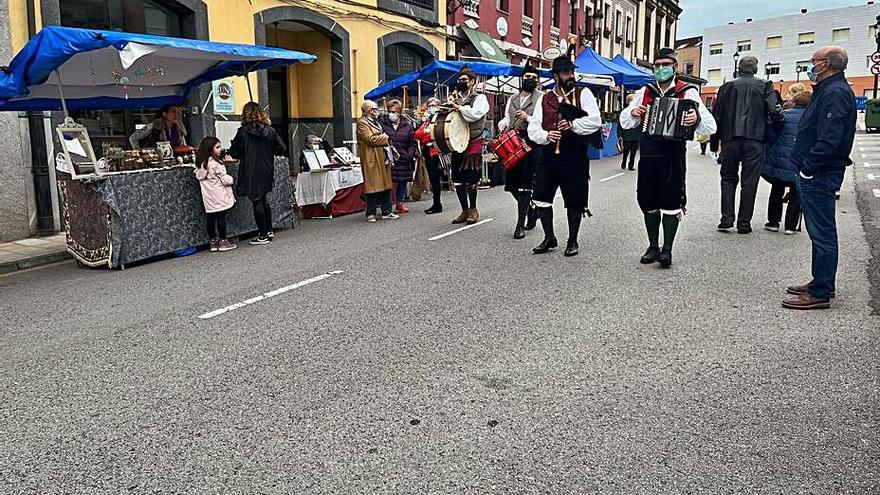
[[546, 245], [519, 232], [743, 230], [571, 249], [434, 209], [650, 256], [724, 227], [665, 259]]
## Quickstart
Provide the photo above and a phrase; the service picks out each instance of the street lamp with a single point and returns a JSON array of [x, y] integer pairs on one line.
[[593, 35], [799, 69], [736, 65], [767, 69]]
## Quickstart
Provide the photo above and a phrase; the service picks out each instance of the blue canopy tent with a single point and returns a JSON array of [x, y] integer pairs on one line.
[[591, 62], [82, 69], [622, 62]]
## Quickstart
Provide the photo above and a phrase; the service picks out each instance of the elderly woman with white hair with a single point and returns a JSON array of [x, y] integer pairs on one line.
[[372, 142], [429, 151]]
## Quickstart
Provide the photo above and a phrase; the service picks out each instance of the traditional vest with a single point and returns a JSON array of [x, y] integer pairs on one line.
[[476, 128], [653, 91], [528, 107], [550, 107]]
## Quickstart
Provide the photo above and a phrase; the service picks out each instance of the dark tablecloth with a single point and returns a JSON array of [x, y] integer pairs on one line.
[[159, 212]]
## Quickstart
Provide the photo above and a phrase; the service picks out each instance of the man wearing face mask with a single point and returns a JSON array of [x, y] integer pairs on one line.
[[821, 154], [743, 109], [519, 179], [661, 189], [466, 166], [561, 125]]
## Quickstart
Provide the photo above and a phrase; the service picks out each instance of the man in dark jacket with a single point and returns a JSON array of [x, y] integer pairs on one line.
[[742, 111], [821, 155]]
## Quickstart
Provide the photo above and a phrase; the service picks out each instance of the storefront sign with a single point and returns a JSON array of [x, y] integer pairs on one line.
[[224, 96]]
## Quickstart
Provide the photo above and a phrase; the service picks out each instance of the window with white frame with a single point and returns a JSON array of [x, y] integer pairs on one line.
[[872, 32], [774, 42], [716, 48], [771, 70], [744, 46], [806, 38], [803, 64], [714, 75], [839, 35]]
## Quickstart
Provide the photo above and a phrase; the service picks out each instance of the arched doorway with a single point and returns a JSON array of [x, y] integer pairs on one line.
[[401, 52], [313, 98]]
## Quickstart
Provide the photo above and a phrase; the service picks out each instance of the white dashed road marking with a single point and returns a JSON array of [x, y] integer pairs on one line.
[[872, 177], [462, 229], [612, 177], [877, 193], [267, 295]]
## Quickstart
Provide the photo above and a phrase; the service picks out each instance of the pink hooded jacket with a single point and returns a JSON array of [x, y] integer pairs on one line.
[[216, 187]]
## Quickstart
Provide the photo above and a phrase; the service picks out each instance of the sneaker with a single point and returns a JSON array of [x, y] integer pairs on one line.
[[790, 232], [214, 245], [746, 230], [723, 227], [270, 235], [772, 227], [259, 241], [371, 219], [390, 216], [226, 245], [401, 208]]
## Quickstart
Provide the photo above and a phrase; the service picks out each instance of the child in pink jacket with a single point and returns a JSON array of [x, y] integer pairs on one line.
[[217, 192]]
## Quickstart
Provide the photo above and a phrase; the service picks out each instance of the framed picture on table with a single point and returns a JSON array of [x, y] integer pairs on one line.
[[77, 149]]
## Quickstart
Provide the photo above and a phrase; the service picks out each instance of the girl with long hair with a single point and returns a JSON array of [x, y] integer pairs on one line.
[[217, 196]]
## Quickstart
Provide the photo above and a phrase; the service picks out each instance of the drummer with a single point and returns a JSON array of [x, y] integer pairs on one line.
[[466, 166], [519, 179], [165, 127]]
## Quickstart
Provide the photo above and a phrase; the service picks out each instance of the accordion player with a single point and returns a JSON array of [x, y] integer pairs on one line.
[[666, 116]]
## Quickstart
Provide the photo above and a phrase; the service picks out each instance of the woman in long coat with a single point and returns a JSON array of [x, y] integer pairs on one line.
[[402, 136], [371, 149]]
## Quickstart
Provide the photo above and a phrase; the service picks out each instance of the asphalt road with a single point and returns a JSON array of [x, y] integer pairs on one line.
[[459, 365]]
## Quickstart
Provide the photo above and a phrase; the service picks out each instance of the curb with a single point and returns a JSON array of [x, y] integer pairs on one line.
[[33, 262]]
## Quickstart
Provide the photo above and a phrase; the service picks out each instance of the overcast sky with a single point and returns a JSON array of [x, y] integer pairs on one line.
[[699, 14]]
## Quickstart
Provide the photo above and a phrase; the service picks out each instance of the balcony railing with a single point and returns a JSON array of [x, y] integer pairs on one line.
[[527, 25], [554, 36], [471, 7]]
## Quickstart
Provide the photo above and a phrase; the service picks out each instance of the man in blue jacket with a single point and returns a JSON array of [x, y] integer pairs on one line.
[[821, 155]]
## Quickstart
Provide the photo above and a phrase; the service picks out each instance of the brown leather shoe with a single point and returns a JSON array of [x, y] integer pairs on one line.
[[462, 218], [805, 301], [797, 290], [473, 216]]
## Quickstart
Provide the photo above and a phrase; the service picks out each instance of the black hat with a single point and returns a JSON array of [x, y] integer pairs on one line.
[[529, 69], [466, 71], [562, 63], [665, 53]]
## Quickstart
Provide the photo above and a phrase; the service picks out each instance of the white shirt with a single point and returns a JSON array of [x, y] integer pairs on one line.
[[706, 125], [476, 110], [583, 126]]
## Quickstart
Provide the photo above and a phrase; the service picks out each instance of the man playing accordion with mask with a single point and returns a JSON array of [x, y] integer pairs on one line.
[[661, 191]]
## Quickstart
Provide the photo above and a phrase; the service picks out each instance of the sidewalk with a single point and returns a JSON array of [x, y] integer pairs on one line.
[[32, 252]]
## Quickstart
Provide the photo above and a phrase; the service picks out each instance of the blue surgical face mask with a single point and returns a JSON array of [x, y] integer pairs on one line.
[[432, 110], [393, 117], [664, 73], [812, 74]]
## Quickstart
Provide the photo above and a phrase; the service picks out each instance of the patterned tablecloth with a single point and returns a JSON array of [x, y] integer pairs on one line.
[[321, 187], [153, 213]]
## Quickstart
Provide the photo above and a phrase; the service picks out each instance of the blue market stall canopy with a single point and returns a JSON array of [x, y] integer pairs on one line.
[[110, 70], [592, 63], [622, 62], [442, 72]]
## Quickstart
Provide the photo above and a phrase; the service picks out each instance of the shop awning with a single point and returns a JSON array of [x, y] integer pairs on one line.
[[108, 69], [440, 73], [485, 45]]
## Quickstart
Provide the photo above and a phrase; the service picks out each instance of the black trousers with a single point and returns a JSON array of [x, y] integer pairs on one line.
[[381, 198], [774, 205], [217, 225], [263, 215], [432, 163], [748, 154], [629, 150], [661, 182]]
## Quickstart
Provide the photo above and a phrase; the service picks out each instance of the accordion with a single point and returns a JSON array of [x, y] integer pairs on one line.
[[665, 119]]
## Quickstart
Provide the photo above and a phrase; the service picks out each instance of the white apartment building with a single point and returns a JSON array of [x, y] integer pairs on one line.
[[788, 42]]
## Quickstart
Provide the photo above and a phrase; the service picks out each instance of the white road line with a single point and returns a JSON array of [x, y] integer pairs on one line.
[[869, 165], [872, 177], [267, 295], [612, 177], [868, 149], [462, 229], [877, 193]]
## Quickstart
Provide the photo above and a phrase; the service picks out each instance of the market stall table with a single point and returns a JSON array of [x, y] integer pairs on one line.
[[119, 219], [330, 193]]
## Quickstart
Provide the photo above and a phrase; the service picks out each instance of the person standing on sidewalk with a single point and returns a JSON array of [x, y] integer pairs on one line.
[[781, 173], [402, 137], [425, 136], [374, 150], [742, 111], [821, 154], [630, 138]]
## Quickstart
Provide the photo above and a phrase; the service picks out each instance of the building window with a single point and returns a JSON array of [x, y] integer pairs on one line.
[[772, 70], [774, 42], [839, 35], [647, 35], [572, 17], [628, 29], [872, 32], [744, 46], [803, 64], [606, 20], [689, 68], [806, 38], [502, 5], [715, 75], [716, 49], [425, 4], [401, 59], [150, 17], [669, 33], [527, 8], [555, 12]]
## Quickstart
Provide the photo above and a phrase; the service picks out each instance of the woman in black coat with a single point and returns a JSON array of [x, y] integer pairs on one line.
[[255, 146]]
